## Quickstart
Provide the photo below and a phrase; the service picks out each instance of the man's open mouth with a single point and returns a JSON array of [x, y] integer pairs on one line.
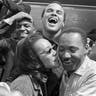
[[52, 20]]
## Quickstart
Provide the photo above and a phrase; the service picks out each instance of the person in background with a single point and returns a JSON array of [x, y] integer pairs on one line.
[[91, 37], [37, 59], [53, 20], [79, 77], [11, 7], [23, 26]]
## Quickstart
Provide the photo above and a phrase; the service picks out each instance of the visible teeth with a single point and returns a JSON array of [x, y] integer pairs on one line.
[[52, 20]]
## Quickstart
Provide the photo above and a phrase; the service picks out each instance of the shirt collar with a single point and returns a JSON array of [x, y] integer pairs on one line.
[[83, 68]]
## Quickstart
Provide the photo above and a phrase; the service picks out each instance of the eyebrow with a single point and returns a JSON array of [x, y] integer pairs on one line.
[[45, 50]]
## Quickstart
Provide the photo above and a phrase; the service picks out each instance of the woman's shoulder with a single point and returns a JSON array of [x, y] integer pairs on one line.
[[23, 79], [25, 86], [22, 84]]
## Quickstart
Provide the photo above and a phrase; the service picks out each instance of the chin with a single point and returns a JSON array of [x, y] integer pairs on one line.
[[52, 30], [68, 67]]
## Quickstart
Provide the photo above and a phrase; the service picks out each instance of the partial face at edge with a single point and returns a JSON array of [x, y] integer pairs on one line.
[[53, 18], [71, 51], [45, 52]]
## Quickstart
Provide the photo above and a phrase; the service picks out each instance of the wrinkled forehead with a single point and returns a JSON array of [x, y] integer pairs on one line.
[[70, 38], [55, 6], [24, 22]]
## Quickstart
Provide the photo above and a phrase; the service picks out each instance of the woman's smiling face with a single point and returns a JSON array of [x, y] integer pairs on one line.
[[46, 53]]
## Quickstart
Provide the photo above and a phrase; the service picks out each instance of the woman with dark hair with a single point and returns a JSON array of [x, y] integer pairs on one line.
[[37, 58]]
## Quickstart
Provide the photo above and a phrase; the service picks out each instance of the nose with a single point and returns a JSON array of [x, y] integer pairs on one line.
[[22, 28], [54, 13], [67, 55]]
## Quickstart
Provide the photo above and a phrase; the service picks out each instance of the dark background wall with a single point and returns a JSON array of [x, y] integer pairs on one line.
[[80, 16], [77, 2]]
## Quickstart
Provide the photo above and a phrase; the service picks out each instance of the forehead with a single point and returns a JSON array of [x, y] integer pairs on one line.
[[54, 6], [71, 39], [24, 22], [41, 44]]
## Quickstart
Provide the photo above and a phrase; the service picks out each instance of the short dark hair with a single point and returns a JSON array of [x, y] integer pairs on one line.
[[57, 2], [75, 30], [92, 35]]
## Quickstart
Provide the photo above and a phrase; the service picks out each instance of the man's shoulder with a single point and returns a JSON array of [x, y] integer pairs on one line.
[[22, 79], [93, 62], [92, 65]]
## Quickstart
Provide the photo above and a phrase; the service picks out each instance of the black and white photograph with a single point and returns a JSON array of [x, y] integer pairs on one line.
[[47, 48]]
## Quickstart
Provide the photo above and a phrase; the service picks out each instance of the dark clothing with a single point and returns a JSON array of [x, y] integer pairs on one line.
[[7, 48], [1, 5], [8, 66], [10, 8], [6, 54], [5, 30]]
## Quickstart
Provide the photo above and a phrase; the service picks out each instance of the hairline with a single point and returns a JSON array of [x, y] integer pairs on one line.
[[83, 38]]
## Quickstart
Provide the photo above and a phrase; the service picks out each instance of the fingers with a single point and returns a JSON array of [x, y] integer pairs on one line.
[[21, 15], [18, 16]]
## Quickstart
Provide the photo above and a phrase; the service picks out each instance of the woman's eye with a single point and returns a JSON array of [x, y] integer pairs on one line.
[[49, 51]]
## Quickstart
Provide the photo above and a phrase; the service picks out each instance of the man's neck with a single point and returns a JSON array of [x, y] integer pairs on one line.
[[52, 37]]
